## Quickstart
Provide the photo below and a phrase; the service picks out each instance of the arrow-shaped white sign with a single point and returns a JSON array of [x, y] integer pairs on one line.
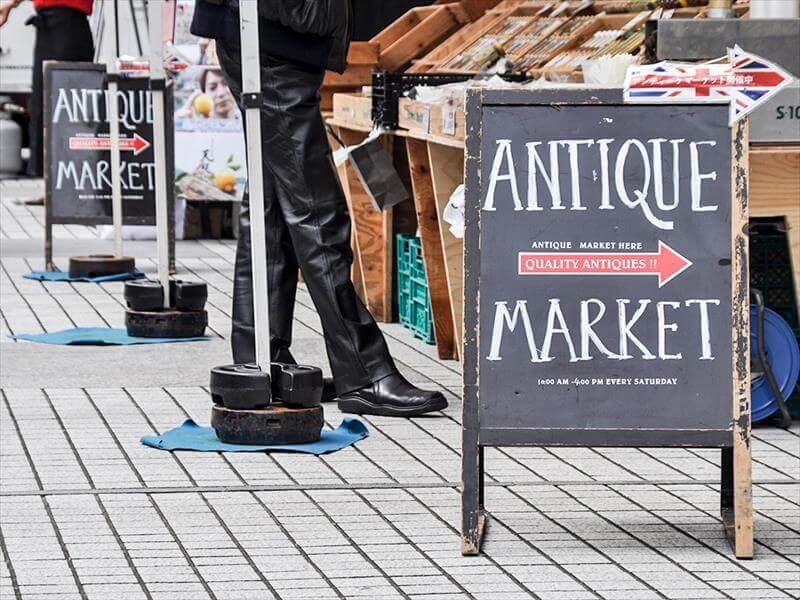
[[745, 81]]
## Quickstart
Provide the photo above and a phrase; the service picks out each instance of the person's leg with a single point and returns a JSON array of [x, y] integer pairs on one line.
[[61, 34], [36, 105], [283, 270], [281, 262], [298, 160], [307, 187]]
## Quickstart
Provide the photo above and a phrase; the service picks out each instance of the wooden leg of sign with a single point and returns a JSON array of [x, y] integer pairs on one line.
[[48, 246], [736, 502], [473, 516], [736, 481]]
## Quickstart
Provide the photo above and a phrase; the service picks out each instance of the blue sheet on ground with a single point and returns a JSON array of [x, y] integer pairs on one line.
[[95, 336], [64, 276], [191, 436]]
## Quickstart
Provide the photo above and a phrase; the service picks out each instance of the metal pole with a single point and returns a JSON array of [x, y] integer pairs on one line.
[[113, 124], [251, 101], [157, 86]]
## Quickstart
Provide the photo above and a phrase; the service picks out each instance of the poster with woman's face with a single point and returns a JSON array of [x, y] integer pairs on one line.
[[209, 138]]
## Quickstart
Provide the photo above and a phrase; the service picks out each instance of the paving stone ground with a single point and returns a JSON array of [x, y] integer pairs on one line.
[[86, 511]]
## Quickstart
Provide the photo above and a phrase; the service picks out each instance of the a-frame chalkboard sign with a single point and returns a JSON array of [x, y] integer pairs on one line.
[[606, 288], [77, 150]]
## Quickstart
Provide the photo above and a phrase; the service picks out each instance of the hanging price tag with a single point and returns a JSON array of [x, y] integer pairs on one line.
[[449, 119], [426, 119]]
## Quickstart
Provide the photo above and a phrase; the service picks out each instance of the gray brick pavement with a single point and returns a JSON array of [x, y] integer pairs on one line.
[[86, 511]]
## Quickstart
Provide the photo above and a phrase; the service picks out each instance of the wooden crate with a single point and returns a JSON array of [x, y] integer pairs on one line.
[[417, 32], [353, 110], [362, 59], [439, 120]]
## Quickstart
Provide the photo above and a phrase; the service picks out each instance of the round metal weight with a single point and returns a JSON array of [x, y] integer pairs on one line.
[[99, 265], [296, 385], [240, 386], [187, 295], [166, 323], [144, 294], [274, 424]]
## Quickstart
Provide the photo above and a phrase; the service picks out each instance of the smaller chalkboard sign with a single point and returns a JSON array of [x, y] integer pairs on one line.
[[606, 297], [77, 149]]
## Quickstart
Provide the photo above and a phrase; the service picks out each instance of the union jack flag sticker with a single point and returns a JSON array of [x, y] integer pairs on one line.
[[744, 81]]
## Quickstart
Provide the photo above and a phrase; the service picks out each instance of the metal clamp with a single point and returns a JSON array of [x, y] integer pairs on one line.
[[251, 100]]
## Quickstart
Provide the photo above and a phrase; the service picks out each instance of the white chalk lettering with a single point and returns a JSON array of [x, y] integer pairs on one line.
[[698, 177], [705, 333], [588, 335], [503, 318], [663, 327], [625, 326], [503, 153], [555, 314]]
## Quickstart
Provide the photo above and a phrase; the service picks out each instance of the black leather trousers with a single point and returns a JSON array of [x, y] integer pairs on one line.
[[308, 227]]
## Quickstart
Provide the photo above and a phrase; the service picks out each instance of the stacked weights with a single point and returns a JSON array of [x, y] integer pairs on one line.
[[255, 407], [185, 316]]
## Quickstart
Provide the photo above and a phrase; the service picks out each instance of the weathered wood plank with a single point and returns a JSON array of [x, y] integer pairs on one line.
[[432, 29], [447, 173], [371, 242], [739, 518], [435, 268]]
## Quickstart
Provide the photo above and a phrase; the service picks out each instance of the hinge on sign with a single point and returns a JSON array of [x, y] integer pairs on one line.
[[251, 99]]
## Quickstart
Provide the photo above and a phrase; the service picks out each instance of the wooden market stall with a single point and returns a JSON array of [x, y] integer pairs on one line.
[[428, 144]]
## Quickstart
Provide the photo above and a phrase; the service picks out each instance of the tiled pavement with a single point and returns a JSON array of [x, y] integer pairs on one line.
[[86, 511]]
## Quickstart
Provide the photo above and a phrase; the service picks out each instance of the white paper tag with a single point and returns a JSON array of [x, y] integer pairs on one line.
[[449, 119], [426, 119]]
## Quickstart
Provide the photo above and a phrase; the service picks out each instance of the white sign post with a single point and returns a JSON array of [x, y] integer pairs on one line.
[[251, 101], [157, 86], [113, 124]]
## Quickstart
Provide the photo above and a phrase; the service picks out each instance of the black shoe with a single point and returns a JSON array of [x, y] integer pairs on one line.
[[391, 396], [328, 390]]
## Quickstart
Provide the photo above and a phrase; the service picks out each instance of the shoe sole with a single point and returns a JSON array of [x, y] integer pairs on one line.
[[359, 406]]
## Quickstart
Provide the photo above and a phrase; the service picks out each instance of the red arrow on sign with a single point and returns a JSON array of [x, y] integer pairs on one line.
[[137, 143], [666, 263]]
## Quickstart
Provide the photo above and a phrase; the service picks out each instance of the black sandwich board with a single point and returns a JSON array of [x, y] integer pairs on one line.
[[606, 288], [77, 150]]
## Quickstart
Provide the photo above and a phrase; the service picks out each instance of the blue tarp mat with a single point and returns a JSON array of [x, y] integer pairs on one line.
[[95, 336], [191, 436], [64, 276]]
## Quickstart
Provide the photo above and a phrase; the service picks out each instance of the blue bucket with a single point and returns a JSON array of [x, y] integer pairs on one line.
[[783, 355]]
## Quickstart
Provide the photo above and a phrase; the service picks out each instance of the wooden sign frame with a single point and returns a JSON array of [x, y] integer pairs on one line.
[[50, 219], [733, 441]]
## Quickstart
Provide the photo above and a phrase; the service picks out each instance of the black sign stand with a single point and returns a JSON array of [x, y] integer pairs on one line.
[[74, 147], [701, 400]]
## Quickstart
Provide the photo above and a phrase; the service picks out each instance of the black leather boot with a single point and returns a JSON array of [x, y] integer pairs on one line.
[[392, 396]]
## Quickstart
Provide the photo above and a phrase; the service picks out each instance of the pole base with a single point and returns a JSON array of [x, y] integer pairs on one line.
[[166, 323], [240, 387], [144, 295], [148, 295], [246, 386], [100, 265], [274, 424]]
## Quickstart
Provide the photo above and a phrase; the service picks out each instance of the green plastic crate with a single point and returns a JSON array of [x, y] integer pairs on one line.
[[414, 304]]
